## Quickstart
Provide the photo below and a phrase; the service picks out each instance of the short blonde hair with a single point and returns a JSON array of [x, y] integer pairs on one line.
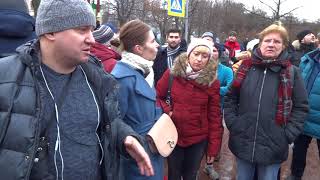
[[275, 28], [202, 49]]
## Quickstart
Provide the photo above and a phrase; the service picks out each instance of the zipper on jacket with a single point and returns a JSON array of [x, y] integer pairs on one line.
[[37, 128], [258, 114]]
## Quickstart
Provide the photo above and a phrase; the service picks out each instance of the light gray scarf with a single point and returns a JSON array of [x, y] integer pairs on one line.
[[138, 62]]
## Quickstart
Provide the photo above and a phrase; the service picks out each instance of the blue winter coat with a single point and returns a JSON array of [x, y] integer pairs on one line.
[[225, 76], [309, 65], [138, 109]]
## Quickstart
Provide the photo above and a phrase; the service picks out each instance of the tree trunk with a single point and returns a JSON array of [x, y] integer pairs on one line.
[[35, 5]]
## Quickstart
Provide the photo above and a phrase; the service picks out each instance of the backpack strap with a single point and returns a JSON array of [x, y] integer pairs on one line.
[[168, 98]]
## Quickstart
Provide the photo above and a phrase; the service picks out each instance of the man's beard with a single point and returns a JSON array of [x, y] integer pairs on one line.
[[174, 47]]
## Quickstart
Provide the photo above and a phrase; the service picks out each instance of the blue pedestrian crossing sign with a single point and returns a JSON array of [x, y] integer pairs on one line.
[[176, 8]]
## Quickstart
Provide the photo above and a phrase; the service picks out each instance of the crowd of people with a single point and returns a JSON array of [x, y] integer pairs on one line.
[[77, 100]]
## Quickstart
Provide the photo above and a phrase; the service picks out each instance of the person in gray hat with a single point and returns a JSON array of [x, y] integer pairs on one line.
[[102, 48], [59, 114], [210, 37]]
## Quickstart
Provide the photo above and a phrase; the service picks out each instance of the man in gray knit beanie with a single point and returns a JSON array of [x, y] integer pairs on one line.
[[61, 117], [59, 15]]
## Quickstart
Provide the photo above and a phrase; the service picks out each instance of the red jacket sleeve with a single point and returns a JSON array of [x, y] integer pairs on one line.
[[215, 121], [162, 89]]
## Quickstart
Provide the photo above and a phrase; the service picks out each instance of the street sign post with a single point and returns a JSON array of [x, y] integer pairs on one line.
[[176, 8]]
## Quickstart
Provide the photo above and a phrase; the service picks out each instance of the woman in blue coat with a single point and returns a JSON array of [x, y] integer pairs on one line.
[[137, 96], [225, 73], [310, 71]]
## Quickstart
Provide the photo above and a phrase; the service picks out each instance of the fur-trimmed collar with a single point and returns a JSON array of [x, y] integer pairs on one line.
[[298, 46], [206, 77]]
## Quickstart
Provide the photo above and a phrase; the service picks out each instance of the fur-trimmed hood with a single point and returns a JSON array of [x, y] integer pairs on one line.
[[296, 44], [206, 77]]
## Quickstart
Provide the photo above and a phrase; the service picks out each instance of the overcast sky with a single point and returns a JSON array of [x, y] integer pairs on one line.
[[309, 10]]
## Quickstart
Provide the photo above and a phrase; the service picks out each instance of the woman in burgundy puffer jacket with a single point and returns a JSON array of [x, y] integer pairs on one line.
[[195, 109]]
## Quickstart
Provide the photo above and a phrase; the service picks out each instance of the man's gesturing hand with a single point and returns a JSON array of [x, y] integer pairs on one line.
[[137, 152]]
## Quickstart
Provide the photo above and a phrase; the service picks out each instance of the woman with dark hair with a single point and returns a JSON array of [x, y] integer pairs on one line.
[[225, 76], [265, 107], [137, 96]]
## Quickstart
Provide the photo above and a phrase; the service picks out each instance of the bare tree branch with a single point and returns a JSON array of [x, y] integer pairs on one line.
[[272, 9], [277, 10], [289, 12], [257, 14], [275, 2]]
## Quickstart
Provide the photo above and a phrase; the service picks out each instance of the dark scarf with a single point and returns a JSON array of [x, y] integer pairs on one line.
[[170, 54], [285, 88], [307, 47]]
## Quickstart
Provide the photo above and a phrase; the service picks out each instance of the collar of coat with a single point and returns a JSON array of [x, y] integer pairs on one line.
[[206, 77], [28, 54]]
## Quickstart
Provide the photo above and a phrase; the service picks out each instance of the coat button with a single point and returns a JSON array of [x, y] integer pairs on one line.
[[27, 157], [36, 160], [39, 149]]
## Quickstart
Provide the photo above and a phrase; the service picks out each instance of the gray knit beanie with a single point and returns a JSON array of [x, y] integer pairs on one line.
[[60, 15], [103, 34], [208, 34]]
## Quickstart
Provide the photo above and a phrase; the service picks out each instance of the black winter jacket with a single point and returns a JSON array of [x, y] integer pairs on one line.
[[20, 108], [301, 51], [250, 116], [160, 63]]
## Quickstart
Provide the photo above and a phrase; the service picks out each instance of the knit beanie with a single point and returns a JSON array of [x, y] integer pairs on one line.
[[208, 34], [302, 34], [195, 42], [60, 15], [233, 33], [103, 34]]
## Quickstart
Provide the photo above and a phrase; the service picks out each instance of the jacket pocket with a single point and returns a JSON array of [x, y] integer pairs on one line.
[[239, 125]]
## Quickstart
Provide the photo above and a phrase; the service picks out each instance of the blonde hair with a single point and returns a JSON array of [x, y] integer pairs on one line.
[[275, 28], [202, 49]]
